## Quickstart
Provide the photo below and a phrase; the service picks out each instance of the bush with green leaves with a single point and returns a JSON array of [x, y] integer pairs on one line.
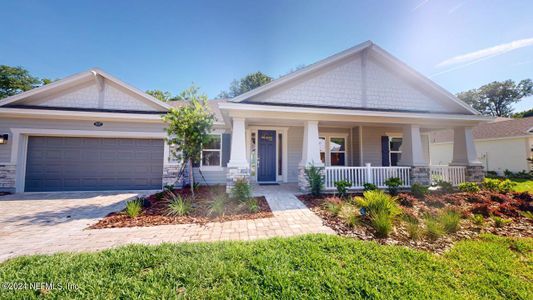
[[333, 205], [506, 186], [500, 222], [218, 206], [418, 190], [314, 178], [434, 228], [369, 187], [490, 184], [342, 188], [381, 208], [253, 205], [133, 208], [450, 220], [393, 184], [349, 214], [177, 205], [242, 190], [469, 187], [478, 219], [445, 186]]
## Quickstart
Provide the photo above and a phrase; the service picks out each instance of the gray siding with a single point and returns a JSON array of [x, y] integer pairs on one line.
[[7, 123], [211, 177], [372, 143], [356, 158], [294, 152]]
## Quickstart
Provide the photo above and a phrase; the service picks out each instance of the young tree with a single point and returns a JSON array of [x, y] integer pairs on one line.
[[189, 127], [496, 98], [14, 80], [245, 84]]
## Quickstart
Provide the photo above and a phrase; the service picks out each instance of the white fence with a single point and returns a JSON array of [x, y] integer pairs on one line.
[[358, 176], [452, 174]]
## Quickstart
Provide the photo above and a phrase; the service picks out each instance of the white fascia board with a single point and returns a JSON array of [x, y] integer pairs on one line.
[[351, 112], [77, 115]]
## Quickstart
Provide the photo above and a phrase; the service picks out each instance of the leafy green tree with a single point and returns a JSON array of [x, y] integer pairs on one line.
[[523, 114], [245, 84], [188, 128], [14, 80], [159, 94], [496, 98]]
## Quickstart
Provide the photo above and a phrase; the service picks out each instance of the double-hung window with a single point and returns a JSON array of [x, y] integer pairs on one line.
[[337, 151], [212, 152], [394, 150]]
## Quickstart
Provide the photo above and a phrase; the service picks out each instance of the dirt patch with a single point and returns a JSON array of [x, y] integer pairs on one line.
[[506, 206], [155, 211]]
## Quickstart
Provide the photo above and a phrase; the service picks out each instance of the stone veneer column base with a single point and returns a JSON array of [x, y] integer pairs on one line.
[[420, 175], [235, 173], [474, 174], [8, 178], [303, 184], [171, 176]]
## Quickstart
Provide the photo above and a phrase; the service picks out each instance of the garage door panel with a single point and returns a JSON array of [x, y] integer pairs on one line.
[[76, 164]]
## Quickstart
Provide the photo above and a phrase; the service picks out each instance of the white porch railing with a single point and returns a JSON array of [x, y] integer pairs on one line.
[[452, 174], [358, 176]]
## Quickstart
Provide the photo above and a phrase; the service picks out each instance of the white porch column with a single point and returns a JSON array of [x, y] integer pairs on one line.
[[465, 154], [413, 155], [412, 150], [310, 153], [238, 167], [464, 149], [311, 145], [238, 144]]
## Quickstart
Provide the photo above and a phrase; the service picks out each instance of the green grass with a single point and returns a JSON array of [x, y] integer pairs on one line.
[[522, 185], [312, 266]]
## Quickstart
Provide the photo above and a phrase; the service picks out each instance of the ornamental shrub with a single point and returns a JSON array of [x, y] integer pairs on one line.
[[133, 208], [242, 190], [469, 187], [393, 184], [342, 187], [369, 187], [418, 190], [490, 184], [314, 178], [506, 186]]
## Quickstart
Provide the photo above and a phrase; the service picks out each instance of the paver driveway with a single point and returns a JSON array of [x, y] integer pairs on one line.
[[51, 222]]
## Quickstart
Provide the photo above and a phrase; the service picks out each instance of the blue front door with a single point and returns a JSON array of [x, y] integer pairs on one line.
[[266, 170]]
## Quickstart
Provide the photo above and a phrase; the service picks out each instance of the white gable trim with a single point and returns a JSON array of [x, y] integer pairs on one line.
[[391, 60], [95, 72]]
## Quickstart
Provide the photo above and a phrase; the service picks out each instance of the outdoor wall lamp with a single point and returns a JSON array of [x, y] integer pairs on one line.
[[3, 138]]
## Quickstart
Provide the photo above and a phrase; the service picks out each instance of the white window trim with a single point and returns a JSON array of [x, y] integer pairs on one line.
[[212, 168], [284, 162], [345, 151], [394, 151], [328, 136]]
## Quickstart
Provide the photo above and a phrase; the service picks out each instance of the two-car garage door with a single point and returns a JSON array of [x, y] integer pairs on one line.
[[93, 164]]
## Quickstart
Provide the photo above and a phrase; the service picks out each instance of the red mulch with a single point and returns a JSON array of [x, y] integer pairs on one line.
[[486, 203], [156, 213]]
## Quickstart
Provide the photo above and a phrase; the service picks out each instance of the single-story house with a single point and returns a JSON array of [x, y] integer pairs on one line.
[[505, 144], [361, 115]]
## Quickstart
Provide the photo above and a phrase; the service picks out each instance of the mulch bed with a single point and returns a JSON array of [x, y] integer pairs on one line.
[[156, 213], [508, 208]]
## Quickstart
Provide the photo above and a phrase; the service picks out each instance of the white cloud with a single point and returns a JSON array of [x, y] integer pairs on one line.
[[420, 4], [453, 9], [476, 56]]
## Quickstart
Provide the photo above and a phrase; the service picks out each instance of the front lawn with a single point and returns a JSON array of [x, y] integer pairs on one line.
[[312, 266], [523, 185]]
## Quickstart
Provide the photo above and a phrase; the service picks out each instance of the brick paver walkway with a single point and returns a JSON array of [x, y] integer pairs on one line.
[[56, 222]]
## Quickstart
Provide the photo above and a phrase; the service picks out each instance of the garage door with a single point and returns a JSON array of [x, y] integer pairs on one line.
[[93, 164]]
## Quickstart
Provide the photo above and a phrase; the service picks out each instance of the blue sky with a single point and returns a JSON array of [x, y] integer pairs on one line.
[[460, 44]]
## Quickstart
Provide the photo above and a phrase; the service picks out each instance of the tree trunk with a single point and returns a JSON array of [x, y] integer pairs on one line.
[[191, 177]]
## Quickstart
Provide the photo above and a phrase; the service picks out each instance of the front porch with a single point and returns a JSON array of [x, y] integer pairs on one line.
[[270, 150]]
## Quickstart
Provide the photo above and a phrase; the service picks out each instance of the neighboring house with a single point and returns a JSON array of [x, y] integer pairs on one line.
[[503, 145], [357, 108]]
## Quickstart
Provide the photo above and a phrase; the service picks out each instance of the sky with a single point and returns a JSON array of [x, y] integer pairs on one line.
[[167, 45]]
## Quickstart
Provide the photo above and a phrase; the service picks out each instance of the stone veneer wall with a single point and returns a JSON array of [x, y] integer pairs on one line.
[[7, 178], [234, 174], [474, 174], [171, 175], [303, 184], [420, 175]]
